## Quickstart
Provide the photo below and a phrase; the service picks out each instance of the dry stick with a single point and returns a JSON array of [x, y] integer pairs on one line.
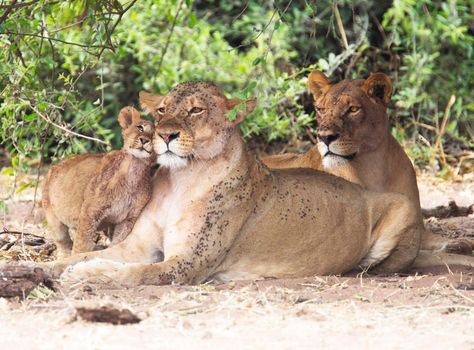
[[340, 26], [460, 294], [438, 143], [62, 127], [241, 12], [7, 231], [168, 39]]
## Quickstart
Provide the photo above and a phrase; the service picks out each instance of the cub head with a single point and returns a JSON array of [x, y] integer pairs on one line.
[[351, 116], [191, 122], [137, 133]]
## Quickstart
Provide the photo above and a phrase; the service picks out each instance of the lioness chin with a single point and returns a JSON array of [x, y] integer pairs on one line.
[[217, 212]]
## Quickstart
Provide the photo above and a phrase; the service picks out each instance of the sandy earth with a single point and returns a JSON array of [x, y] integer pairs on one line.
[[434, 308]]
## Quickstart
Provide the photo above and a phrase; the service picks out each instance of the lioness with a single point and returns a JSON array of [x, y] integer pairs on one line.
[[92, 192], [355, 143], [218, 212]]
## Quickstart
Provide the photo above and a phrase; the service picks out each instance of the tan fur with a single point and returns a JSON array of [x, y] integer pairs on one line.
[[93, 192], [218, 213], [380, 163]]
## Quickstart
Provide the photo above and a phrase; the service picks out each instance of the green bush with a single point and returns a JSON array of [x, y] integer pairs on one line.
[[263, 49]]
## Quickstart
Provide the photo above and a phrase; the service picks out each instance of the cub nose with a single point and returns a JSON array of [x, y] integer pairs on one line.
[[169, 137], [327, 139], [144, 140]]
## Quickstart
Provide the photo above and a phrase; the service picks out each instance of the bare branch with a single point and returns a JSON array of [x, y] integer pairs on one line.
[[7, 11], [55, 39], [109, 33], [48, 120], [168, 39]]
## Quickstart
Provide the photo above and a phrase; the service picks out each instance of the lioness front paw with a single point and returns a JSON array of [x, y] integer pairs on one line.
[[100, 271]]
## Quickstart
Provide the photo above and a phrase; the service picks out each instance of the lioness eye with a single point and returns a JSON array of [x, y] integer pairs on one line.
[[195, 110], [354, 109], [161, 110], [140, 128]]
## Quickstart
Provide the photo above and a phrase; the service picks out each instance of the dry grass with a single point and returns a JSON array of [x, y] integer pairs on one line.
[[356, 311]]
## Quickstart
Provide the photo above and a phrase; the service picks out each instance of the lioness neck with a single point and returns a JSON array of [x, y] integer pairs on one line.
[[386, 169]]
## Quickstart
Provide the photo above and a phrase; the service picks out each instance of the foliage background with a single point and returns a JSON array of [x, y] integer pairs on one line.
[[71, 65]]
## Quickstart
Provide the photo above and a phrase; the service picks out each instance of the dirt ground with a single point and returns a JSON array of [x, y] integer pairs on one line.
[[433, 308]]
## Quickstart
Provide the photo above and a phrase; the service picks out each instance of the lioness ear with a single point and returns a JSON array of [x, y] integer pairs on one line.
[[318, 84], [127, 116], [241, 114], [149, 102], [378, 85]]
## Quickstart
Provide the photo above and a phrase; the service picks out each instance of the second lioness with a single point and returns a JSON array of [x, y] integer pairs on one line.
[[356, 144], [92, 192]]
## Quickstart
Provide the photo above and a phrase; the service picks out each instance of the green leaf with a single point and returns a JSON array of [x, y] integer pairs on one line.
[[192, 20], [232, 114], [4, 207], [8, 171], [257, 61]]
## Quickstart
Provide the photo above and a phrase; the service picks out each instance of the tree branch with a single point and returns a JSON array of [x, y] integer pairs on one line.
[[168, 39], [54, 39], [48, 120]]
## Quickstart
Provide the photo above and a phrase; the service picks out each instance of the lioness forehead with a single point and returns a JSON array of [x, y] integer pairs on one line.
[[349, 88], [202, 89]]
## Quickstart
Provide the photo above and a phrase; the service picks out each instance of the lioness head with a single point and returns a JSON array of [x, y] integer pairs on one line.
[[191, 122], [137, 133], [351, 115]]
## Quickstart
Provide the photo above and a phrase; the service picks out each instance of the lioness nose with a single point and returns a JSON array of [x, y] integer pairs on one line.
[[144, 140], [169, 137], [327, 139]]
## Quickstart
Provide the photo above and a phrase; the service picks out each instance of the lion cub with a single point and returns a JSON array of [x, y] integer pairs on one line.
[[94, 192]]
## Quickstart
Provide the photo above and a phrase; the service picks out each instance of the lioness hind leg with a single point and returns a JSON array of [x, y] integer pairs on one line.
[[437, 259], [402, 257], [398, 234], [434, 242]]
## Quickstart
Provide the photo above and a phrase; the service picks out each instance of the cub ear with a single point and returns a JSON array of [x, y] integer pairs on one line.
[[250, 105], [318, 84], [128, 116], [149, 102], [378, 85]]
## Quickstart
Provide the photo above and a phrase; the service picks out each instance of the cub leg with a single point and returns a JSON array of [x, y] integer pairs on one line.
[[136, 247], [122, 230], [86, 234], [59, 233]]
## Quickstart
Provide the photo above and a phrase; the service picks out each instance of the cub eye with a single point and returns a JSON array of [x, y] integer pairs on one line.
[[161, 110], [195, 110], [354, 109], [140, 128]]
